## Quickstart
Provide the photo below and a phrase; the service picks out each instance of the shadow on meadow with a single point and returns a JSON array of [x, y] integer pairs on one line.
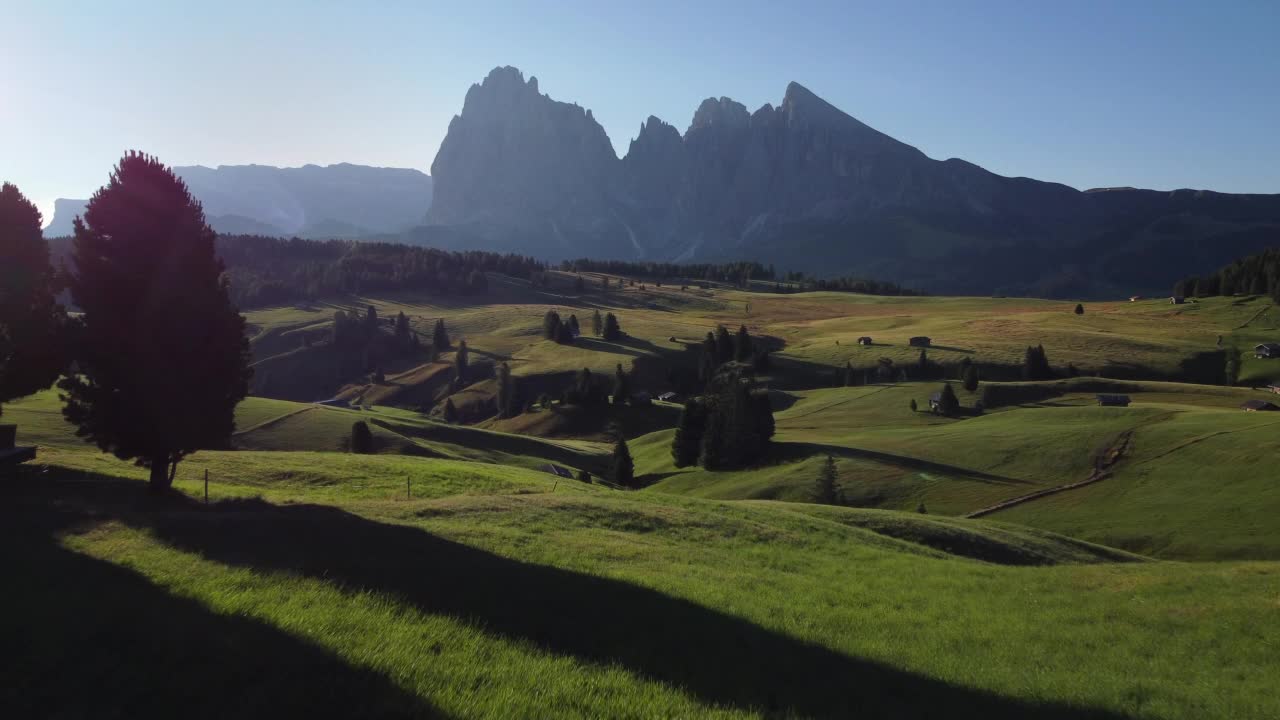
[[718, 659], [84, 637]]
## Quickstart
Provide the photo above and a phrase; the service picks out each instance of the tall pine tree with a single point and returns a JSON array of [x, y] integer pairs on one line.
[[162, 353]]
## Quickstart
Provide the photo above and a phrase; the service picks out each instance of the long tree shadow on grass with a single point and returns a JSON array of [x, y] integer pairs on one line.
[[83, 637], [719, 659]]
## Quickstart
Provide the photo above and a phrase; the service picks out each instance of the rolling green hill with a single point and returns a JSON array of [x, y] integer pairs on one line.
[[493, 591], [1194, 480], [449, 574]]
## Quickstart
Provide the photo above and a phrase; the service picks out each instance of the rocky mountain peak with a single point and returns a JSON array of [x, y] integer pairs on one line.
[[722, 113]]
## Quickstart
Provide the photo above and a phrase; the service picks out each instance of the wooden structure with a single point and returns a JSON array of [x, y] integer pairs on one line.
[[1266, 351], [921, 341], [864, 340]]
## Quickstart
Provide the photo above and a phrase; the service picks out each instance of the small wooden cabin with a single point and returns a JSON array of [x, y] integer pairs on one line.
[[921, 341], [1113, 400], [1267, 350], [864, 340]]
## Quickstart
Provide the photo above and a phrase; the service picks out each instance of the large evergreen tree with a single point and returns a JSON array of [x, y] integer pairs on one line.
[[970, 378], [162, 354], [31, 320], [597, 323]]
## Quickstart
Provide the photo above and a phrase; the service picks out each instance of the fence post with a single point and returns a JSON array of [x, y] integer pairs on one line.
[[407, 494], [206, 486]]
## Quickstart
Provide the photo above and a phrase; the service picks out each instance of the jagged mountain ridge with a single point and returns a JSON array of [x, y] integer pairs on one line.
[[334, 201], [809, 187]]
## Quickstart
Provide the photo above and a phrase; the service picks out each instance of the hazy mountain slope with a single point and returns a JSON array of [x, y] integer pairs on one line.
[[311, 201]]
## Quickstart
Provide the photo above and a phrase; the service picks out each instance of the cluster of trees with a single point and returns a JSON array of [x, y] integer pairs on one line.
[[1035, 365], [737, 273], [362, 345], [270, 271], [728, 426], [563, 332], [1253, 275], [160, 351], [719, 348]]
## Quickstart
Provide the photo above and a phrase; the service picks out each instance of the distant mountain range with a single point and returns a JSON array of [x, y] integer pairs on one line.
[[807, 187], [337, 201]]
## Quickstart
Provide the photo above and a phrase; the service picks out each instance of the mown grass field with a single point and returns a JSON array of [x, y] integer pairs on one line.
[[312, 584]]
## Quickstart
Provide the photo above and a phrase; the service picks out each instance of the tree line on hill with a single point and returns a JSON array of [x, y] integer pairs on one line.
[[1253, 275], [265, 271], [798, 282], [736, 273], [270, 271], [160, 351]]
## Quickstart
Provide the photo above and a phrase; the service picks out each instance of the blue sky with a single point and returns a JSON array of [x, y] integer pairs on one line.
[[1164, 95]]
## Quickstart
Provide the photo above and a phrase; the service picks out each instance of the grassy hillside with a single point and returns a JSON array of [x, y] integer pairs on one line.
[[312, 584], [1195, 479], [815, 333]]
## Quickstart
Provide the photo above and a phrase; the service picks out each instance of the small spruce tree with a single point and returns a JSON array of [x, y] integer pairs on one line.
[[623, 467], [450, 413], [621, 386], [440, 336], [460, 362], [828, 492], [361, 438], [612, 331], [948, 403], [1079, 309], [742, 345]]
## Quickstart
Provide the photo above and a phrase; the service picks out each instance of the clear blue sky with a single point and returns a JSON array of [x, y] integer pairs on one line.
[[1164, 94]]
